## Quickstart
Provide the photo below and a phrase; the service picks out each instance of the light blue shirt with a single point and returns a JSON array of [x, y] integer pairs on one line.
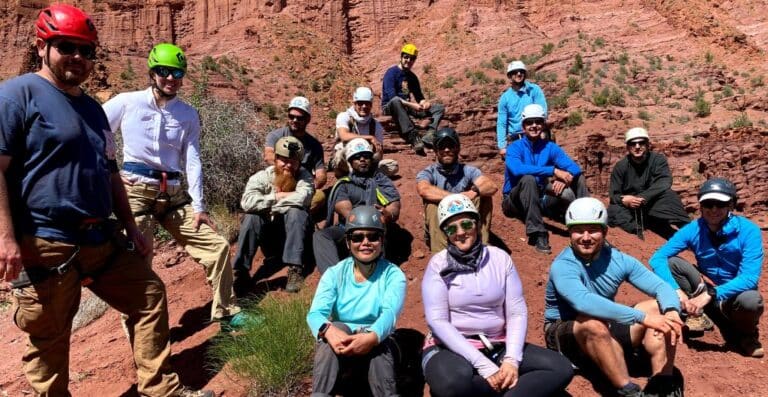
[[511, 105], [162, 138], [371, 305]]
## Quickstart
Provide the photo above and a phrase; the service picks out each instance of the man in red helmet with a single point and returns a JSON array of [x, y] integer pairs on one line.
[[58, 188]]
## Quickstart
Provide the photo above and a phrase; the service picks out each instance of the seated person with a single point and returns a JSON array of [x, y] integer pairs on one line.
[[299, 116], [448, 176], [641, 190], [539, 176], [729, 258], [276, 201], [511, 103], [354, 311], [365, 185], [401, 98], [358, 122], [581, 319], [474, 305]]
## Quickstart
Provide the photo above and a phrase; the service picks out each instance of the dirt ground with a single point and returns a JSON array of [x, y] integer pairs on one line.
[[101, 363]]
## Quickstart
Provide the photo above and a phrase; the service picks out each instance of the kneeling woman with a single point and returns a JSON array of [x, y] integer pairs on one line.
[[474, 304], [354, 311]]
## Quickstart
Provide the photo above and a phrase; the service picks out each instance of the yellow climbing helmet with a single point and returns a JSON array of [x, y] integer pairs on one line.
[[410, 49]]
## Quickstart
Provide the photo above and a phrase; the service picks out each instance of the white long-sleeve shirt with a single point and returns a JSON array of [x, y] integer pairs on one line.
[[162, 138]]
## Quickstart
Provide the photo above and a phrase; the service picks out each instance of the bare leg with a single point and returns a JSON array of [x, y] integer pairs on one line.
[[658, 345], [595, 339]]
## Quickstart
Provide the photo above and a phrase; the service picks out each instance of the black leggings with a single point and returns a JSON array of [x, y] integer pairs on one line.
[[543, 372]]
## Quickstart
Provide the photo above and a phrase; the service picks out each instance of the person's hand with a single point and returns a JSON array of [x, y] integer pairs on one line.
[[200, 218], [425, 105], [470, 194], [503, 152], [336, 338], [630, 201], [677, 326], [140, 243], [663, 325], [558, 187], [360, 344], [563, 175], [508, 374], [10, 259], [698, 302], [495, 381], [384, 212], [684, 302]]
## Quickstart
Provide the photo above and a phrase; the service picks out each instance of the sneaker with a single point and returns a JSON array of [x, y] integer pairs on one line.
[[418, 146], [295, 279], [699, 324], [630, 390], [187, 392], [542, 243], [750, 347]]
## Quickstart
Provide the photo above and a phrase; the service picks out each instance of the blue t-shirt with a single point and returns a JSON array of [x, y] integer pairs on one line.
[[62, 154], [460, 180]]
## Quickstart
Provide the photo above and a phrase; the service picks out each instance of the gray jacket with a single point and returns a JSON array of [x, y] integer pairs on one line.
[[259, 193]]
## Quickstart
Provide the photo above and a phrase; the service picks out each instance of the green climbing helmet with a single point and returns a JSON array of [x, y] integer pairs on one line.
[[169, 55]]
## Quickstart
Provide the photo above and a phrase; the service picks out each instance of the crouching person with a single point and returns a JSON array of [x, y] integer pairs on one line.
[[474, 305], [582, 321], [354, 311], [277, 201]]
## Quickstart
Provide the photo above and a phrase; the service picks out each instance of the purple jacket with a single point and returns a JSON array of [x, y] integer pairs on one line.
[[488, 301]]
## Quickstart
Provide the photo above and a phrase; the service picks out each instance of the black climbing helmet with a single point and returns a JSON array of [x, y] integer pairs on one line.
[[446, 133], [719, 189], [364, 217]]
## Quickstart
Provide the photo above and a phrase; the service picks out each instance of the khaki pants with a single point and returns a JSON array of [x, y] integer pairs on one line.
[[45, 311], [204, 245], [437, 239]]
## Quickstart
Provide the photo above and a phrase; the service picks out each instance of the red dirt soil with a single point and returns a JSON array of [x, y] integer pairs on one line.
[[101, 363]]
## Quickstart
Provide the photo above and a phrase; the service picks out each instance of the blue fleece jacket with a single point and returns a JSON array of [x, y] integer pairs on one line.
[[734, 265], [589, 288], [538, 159], [511, 104]]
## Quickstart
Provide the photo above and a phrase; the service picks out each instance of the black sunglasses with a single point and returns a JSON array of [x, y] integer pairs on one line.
[[533, 121], [364, 155], [69, 48], [164, 72], [296, 117], [516, 72], [372, 237], [641, 142], [709, 204]]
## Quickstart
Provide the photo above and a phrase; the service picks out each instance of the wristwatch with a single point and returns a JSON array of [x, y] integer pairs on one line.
[[322, 330]]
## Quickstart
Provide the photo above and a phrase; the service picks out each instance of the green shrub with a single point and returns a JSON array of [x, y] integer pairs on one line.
[[498, 64], [599, 42], [574, 85], [547, 48], [727, 91], [701, 107], [709, 57], [643, 114], [209, 63], [757, 81], [427, 68], [574, 119], [478, 77], [558, 102], [578, 65], [623, 58], [449, 82], [616, 97], [274, 350], [128, 74], [742, 120], [601, 98]]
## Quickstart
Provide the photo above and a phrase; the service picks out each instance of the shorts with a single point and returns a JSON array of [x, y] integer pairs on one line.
[[559, 336]]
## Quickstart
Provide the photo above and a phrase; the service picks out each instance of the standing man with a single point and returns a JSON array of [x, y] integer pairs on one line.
[[161, 143], [581, 319], [448, 176], [401, 98], [729, 259], [58, 186], [539, 176], [358, 122], [365, 185], [276, 201], [299, 116], [641, 190], [520, 94]]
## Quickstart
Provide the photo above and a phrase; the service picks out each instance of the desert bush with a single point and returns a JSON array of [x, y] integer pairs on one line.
[[558, 102], [742, 120], [643, 114], [574, 85], [498, 64], [128, 74], [449, 82], [727, 91], [600, 98], [757, 81], [575, 118], [578, 65], [273, 349], [547, 48], [616, 97], [701, 107]]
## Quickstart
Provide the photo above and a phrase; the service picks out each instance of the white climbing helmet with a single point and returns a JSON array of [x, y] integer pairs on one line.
[[516, 65], [356, 146], [586, 211], [636, 133], [300, 103], [455, 204], [362, 94], [533, 111]]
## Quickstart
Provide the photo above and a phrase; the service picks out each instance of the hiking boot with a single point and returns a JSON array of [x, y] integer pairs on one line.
[[749, 346], [187, 392], [429, 138], [242, 283], [418, 146], [699, 324], [630, 390], [542, 243], [295, 279]]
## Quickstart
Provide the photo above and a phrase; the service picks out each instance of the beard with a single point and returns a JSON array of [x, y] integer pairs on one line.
[[284, 181], [72, 73]]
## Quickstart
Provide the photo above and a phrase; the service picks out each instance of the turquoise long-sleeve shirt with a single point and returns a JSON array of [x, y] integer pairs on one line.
[[511, 104], [373, 304], [579, 287], [735, 265]]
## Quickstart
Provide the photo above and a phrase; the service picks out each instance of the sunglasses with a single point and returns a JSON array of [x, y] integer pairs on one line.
[[465, 225], [69, 48], [446, 144], [297, 117], [364, 155], [533, 121], [408, 57], [164, 72], [637, 143], [372, 237], [516, 72], [709, 204]]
